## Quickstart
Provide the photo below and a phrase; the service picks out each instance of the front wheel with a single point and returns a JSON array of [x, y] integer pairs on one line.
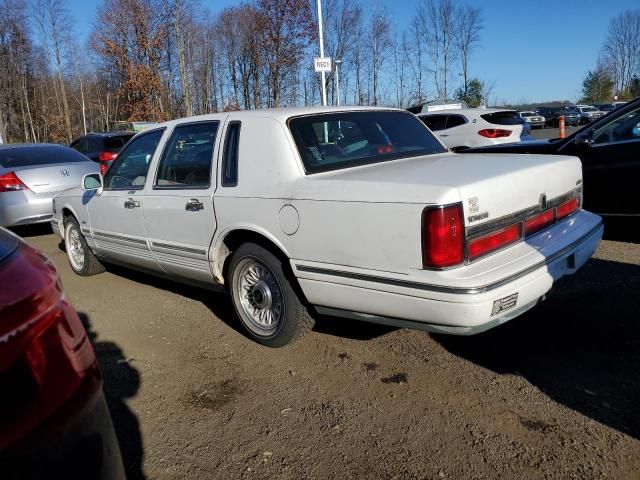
[[265, 298], [81, 258]]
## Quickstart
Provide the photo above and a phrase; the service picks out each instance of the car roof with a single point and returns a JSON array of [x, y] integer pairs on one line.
[[468, 111], [282, 114], [108, 134], [7, 146]]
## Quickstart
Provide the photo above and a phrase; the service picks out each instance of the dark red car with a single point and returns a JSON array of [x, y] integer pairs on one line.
[[54, 421]]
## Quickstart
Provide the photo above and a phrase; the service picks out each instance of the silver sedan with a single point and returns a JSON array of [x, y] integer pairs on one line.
[[31, 175]]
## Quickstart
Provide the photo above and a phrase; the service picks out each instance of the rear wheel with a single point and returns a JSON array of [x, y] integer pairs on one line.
[[265, 297], [81, 258]]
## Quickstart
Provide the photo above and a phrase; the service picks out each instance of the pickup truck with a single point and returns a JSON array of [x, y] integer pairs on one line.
[[354, 212]]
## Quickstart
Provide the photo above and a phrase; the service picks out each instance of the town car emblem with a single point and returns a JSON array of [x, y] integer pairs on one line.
[[64, 173]]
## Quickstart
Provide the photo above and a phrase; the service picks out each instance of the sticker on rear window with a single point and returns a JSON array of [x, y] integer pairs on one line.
[[503, 304]]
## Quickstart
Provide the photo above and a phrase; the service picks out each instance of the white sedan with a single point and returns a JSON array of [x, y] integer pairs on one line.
[[476, 127], [355, 212]]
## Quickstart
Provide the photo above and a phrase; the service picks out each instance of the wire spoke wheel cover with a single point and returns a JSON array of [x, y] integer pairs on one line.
[[74, 247], [260, 296]]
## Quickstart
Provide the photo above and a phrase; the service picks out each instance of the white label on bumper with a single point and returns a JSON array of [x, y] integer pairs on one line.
[[503, 304]]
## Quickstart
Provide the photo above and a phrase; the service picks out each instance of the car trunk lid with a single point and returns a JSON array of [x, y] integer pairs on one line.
[[52, 178]]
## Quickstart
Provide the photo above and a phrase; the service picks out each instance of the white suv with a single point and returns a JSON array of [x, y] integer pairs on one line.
[[474, 127]]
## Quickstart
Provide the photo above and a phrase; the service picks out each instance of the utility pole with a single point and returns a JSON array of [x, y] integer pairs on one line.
[[338, 62], [321, 37]]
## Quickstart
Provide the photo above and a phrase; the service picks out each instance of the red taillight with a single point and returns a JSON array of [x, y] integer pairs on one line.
[[568, 207], [442, 237], [45, 355], [540, 221], [383, 149], [481, 246], [9, 182], [105, 159], [107, 156], [495, 133]]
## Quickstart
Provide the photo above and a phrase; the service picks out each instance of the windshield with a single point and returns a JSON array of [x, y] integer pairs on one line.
[[348, 139], [589, 109], [527, 114]]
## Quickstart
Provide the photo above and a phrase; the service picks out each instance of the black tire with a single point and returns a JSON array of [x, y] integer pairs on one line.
[[87, 263], [273, 296]]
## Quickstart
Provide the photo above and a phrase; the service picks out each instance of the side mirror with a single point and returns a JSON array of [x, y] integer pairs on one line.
[[92, 181], [583, 139]]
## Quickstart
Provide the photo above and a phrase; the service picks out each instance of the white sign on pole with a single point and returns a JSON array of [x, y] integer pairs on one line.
[[322, 64]]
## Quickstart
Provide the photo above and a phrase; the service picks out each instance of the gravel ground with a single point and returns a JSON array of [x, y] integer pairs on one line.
[[552, 394]]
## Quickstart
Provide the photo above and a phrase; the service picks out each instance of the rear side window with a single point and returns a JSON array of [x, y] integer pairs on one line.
[[41, 155], [456, 121], [502, 118], [230, 157], [186, 160], [348, 139], [115, 144], [435, 122]]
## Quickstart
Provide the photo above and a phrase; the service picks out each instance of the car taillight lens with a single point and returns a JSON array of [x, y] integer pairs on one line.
[[107, 156], [478, 247], [442, 237], [538, 222], [495, 133], [105, 159], [568, 207], [45, 354], [9, 182]]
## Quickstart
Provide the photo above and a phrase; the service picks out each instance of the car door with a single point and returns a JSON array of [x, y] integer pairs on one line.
[[178, 205], [611, 166], [116, 215]]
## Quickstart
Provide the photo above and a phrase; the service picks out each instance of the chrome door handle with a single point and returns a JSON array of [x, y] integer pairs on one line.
[[194, 205], [131, 203]]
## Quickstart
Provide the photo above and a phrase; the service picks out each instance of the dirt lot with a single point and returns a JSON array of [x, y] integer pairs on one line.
[[553, 394]]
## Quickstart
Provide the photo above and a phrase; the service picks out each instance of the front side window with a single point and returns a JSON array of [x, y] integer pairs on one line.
[[129, 171], [186, 160], [621, 129], [348, 139]]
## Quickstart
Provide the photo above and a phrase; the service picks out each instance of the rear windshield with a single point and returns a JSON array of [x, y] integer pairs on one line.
[[502, 118], [115, 144], [341, 140], [39, 155]]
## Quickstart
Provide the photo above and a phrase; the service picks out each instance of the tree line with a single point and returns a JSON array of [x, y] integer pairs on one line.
[[617, 73], [152, 60]]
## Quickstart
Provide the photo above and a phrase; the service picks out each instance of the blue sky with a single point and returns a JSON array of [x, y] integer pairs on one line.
[[533, 50]]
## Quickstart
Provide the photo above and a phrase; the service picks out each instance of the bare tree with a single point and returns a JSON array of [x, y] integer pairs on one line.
[[379, 45], [54, 23], [468, 24], [621, 49]]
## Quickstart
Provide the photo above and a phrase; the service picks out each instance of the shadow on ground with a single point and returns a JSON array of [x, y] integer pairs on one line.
[[581, 347], [121, 382], [221, 306], [622, 229], [35, 230]]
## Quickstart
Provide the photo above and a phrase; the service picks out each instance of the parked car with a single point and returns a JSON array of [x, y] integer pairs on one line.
[[31, 174], [355, 212], [102, 147], [609, 107], [552, 116], [534, 119], [54, 421], [609, 149], [472, 127], [587, 113]]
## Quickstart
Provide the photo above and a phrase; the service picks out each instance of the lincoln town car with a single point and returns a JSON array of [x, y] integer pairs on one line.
[[359, 213]]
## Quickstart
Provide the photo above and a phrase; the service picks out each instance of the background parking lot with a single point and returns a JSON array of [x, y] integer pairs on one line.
[[553, 394]]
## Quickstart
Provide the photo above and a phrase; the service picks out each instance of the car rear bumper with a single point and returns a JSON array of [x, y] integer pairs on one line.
[[25, 207], [84, 447], [447, 308]]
